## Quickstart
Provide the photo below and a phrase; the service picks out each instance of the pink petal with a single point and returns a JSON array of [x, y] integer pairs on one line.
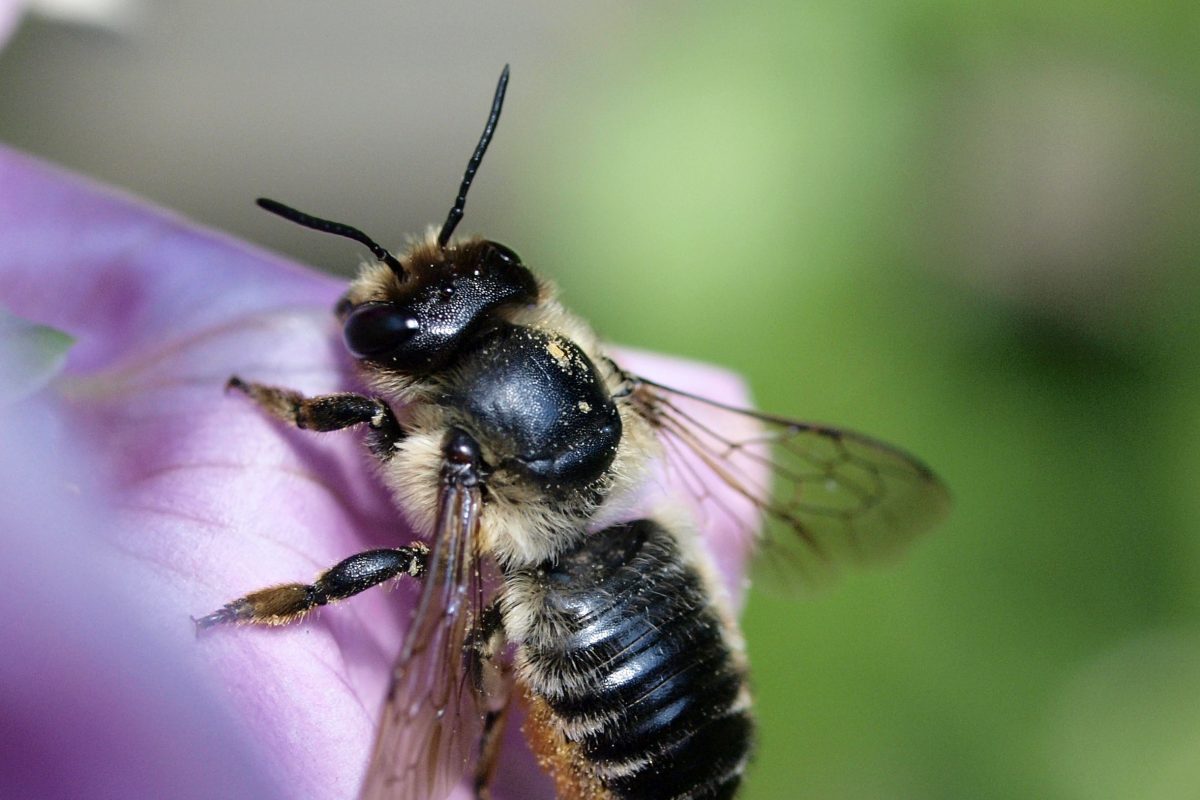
[[10, 14], [209, 499], [96, 702]]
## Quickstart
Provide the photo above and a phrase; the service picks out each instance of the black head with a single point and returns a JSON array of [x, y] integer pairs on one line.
[[440, 294], [449, 296]]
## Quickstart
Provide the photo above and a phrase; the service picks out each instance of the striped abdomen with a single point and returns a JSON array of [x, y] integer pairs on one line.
[[635, 691]]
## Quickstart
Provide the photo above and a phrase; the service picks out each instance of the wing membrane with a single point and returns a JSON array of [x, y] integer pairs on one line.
[[833, 496], [432, 718]]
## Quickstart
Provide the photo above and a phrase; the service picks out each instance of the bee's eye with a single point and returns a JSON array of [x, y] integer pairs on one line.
[[504, 254], [376, 329]]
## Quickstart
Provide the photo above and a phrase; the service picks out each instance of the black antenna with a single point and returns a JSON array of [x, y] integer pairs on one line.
[[336, 228], [456, 213]]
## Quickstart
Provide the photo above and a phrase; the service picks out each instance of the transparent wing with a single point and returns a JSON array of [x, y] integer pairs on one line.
[[830, 496], [432, 717]]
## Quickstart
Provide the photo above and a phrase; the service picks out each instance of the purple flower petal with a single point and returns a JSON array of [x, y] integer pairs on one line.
[[198, 497], [10, 14], [95, 702]]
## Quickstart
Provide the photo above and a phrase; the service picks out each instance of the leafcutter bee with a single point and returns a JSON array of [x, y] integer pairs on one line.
[[512, 442]]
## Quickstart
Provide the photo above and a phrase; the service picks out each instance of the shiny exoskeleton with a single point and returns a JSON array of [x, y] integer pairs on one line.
[[633, 659], [542, 405]]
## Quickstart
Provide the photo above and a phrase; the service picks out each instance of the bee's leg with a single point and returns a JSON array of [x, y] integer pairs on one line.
[[327, 412], [288, 602], [493, 681], [489, 751]]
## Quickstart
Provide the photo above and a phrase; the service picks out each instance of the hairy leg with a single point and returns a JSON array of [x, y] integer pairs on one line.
[[493, 680], [327, 412], [279, 605]]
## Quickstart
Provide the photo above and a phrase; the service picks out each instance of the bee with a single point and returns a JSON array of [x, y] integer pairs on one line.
[[513, 444]]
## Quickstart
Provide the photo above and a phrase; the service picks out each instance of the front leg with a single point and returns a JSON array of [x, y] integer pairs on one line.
[[288, 602], [328, 412]]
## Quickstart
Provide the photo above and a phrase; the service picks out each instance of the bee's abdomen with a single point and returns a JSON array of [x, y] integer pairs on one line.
[[635, 670]]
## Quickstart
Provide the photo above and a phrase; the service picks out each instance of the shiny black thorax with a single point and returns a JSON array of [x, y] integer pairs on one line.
[[540, 403], [532, 398], [634, 653]]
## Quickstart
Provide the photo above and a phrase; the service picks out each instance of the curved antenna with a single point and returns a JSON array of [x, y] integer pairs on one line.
[[456, 213], [336, 228]]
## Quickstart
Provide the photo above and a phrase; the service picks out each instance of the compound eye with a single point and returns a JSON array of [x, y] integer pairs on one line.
[[504, 254], [374, 330]]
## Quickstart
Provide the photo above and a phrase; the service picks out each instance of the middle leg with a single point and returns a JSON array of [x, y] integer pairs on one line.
[[288, 602], [493, 680]]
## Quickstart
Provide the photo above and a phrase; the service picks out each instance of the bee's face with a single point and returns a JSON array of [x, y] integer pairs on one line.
[[415, 322]]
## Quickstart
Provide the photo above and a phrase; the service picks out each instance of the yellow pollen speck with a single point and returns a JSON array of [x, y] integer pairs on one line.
[[584, 406], [557, 353]]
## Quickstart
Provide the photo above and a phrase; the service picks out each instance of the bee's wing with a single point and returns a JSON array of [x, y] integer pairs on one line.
[[833, 496], [432, 718]]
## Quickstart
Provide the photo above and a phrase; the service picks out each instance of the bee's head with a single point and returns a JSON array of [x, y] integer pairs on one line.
[[411, 314], [448, 294]]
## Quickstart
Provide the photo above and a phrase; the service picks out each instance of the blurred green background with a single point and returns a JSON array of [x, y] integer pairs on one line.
[[968, 229]]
